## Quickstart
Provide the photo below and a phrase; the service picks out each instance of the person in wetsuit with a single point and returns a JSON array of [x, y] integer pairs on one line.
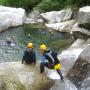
[[50, 60], [29, 56]]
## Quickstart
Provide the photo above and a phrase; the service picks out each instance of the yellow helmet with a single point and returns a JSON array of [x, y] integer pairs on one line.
[[30, 45], [43, 47]]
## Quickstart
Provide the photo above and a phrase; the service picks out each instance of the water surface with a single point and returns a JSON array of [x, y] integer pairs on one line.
[[37, 34]]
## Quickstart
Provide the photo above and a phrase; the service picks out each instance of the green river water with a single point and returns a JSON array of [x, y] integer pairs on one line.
[[37, 34]]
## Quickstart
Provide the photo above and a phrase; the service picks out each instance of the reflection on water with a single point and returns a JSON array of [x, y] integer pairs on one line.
[[30, 33]]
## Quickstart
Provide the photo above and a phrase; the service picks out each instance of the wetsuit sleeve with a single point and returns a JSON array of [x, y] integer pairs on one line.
[[43, 59]]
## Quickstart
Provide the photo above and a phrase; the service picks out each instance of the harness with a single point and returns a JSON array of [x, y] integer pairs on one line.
[[49, 54]]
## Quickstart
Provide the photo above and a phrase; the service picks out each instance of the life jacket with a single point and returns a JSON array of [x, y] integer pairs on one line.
[[51, 56]]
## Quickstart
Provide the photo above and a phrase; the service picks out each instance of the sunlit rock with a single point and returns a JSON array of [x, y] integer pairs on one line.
[[84, 17], [63, 26], [17, 76], [57, 16], [78, 43], [11, 17], [68, 57]]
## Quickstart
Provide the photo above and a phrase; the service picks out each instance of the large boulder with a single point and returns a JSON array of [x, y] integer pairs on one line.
[[84, 17], [68, 57], [76, 28], [63, 26], [17, 76], [80, 72], [57, 16], [79, 32], [11, 17], [34, 17]]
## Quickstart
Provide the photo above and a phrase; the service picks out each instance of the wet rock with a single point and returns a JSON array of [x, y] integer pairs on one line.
[[81, 69], [57, 16], [17, 76]]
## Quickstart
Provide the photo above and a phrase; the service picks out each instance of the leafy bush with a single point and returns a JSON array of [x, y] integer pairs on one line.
[[48, 5], [44, 5], [26, 4], [77, 3]]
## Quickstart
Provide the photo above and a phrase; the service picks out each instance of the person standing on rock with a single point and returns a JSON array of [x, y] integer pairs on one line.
[[29, 56], [52, 60]]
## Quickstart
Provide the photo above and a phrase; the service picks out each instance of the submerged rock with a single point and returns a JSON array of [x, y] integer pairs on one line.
[[17, 76]]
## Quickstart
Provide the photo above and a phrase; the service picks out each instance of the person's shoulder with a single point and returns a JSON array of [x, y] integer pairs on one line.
[[54, 51], [26, 50]]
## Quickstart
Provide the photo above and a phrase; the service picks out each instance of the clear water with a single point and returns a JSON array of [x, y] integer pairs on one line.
[[37, 34]]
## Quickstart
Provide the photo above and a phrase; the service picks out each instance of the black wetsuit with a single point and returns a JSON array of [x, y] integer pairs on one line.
[[29, 56], [52, 60]]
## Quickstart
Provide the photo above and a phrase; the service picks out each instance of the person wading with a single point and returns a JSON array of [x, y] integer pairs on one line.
[[29, 56], [50, 60]]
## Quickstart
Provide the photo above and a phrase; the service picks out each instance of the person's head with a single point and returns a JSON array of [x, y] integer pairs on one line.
[[43, 47], [30, 45]]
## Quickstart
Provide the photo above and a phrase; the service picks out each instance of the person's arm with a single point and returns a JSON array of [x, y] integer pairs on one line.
[[43, 59]]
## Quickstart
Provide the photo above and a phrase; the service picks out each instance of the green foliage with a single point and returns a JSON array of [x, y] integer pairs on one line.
[[77, 3], [3, 2], [44, 5], [26, 4], [48, 5]]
